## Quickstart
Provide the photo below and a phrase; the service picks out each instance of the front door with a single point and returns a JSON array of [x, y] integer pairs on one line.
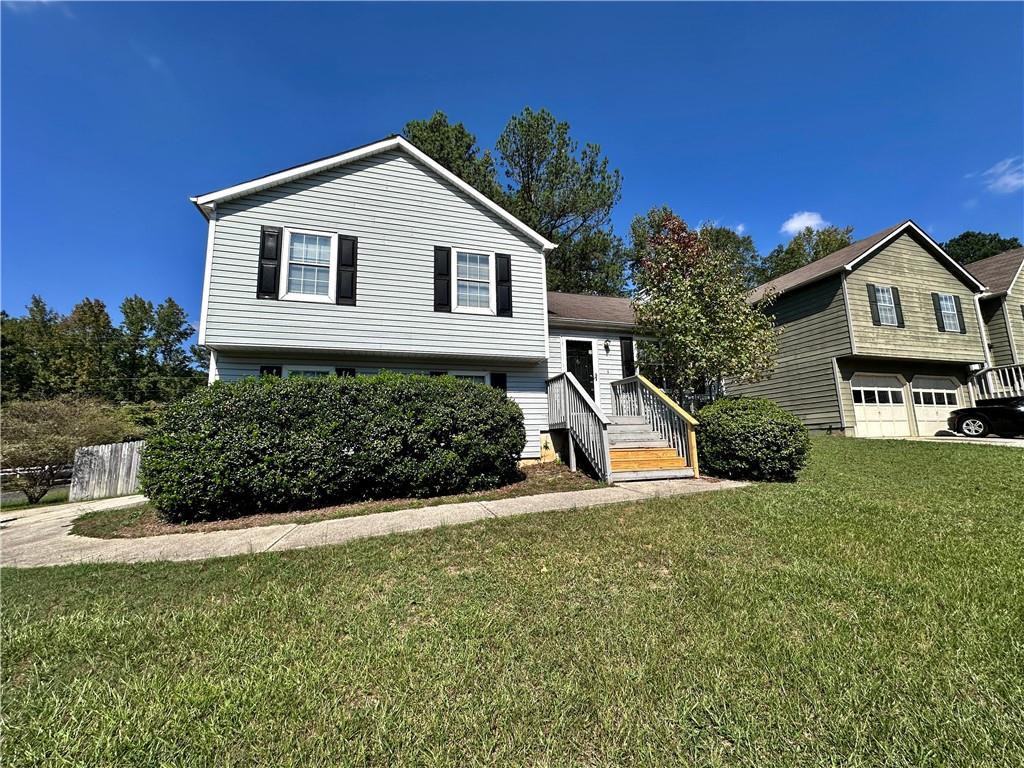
[[579, 361]]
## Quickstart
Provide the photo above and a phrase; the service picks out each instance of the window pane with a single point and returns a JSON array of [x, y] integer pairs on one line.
[[928, 398], [897, 397], [883, 396], [917, 398], [857, 396], [309, 249], [886, 306], [951, 398], [869, 396], [308, 280]]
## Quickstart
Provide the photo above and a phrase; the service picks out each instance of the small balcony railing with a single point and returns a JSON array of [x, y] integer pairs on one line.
[[998, 381]]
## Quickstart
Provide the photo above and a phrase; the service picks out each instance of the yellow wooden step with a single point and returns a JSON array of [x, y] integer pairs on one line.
[[630, 465], [627, 454]]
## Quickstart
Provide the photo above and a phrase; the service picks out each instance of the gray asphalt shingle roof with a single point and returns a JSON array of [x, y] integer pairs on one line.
[[997, 272]]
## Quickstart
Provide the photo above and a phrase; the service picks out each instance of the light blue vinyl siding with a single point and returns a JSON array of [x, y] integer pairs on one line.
[[399, 210]]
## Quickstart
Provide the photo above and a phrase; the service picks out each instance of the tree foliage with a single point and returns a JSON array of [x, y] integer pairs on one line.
[[566, 193], [806, 246], [454, 147], [41, 436], [143, 359], [971, 246], [739, 249], [691, 302], [562, 190]]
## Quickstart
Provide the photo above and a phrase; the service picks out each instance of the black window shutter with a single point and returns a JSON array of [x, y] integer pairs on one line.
[[270, 263], [960, 314], [503, 283], [344, 371], [442, 279], [937, 305], [873, 303], [500, 381], [348, 248], [897, 306], [628, 356], [270, 370]]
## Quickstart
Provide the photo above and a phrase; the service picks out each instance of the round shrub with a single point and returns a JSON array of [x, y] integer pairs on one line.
[[269, 444], [751, 438]]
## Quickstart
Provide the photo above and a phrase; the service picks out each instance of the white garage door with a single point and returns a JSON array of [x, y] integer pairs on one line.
[[934, 398], [879, 407]]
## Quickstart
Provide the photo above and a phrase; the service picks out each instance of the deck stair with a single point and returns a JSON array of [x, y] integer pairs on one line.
[[638, 452]]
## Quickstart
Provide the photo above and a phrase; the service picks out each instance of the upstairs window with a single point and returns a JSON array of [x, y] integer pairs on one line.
[[950, 317], [886, 305], [473, 282], [311, 260]]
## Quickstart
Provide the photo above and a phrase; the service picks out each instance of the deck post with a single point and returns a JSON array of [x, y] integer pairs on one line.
[[572, 451], [691, 448]]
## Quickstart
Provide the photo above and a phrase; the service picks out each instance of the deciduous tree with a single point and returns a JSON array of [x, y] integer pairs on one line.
[[41, 436], [806, 246], [691, 302]]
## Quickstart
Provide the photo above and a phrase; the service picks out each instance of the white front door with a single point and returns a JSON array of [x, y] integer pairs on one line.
[[934, 398], [879, 406]]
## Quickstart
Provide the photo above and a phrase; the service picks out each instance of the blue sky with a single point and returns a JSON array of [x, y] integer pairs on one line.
[[861, 114]]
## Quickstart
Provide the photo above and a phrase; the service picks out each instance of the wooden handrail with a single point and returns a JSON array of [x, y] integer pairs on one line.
[[665, 398], [572, 409]]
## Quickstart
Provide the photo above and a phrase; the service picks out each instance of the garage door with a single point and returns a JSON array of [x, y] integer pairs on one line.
[[934, 398], [879, 407]]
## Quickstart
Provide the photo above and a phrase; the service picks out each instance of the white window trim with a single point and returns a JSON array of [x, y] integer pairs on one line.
[[892, 305], [288, 370], [332, 278], [492, 309], [955, 326], [485, 374]]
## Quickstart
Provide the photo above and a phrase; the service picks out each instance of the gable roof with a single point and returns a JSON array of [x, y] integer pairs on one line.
[[849, 257], [599, 310], [998, 272], [206, 202]]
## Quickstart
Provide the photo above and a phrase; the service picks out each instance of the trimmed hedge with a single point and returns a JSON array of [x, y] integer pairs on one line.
[[269, 444], [751, 438]]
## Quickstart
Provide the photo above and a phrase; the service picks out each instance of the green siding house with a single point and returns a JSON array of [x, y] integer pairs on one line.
[[877, 339], [1002, 306]]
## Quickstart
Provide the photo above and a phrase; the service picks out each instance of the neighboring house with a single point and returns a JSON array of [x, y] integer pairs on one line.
[[380, 258], [1002, 306], [878, 338]]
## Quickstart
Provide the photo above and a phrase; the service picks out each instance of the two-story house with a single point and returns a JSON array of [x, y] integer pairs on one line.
[[877, 339], [1002, 306], [380, 258]]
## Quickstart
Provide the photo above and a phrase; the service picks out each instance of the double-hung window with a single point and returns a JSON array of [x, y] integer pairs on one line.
[[311, 260], [950, 317], [886, 305], [474, 281]]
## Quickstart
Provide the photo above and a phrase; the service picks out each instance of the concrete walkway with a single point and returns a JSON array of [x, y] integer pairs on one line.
[[41, 536]]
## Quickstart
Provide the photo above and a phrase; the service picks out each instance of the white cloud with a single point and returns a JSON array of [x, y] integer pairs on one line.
[[740, 229], [801, 220], [1005, 177]]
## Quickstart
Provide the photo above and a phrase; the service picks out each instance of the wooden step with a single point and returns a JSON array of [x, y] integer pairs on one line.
[[632, 465], [649, 474], [627, 454]]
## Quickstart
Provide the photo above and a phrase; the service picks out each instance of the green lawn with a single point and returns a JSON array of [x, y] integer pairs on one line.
[[57, 495], [872, 614]]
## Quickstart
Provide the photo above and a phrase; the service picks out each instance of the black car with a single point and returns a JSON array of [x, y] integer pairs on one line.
[[1003, 416]]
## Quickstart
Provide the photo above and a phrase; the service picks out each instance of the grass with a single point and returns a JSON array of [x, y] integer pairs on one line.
[[871, 614], [57, 495], [144, 520]]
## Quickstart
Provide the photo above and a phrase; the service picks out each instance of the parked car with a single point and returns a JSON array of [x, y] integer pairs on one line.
[[1003, 416]]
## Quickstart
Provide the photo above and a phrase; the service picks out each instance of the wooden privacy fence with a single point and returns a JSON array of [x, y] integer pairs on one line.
[[106, 470]]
